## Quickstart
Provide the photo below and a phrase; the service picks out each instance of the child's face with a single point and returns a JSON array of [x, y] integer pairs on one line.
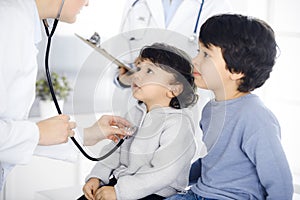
[[210, 68], [151, 84]]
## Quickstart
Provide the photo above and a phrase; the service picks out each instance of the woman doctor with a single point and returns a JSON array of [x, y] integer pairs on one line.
[[20, 32]]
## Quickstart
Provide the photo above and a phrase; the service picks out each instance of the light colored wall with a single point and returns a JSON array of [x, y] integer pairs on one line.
[[68, 54]]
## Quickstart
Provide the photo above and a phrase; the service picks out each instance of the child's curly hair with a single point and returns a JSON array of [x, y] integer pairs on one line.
[[177, 62]]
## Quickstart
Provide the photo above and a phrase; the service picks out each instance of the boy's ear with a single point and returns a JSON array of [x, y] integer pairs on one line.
[[236, 76], [175, 90]]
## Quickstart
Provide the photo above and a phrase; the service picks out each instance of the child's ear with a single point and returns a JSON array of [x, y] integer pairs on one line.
[[175, 90], [236, 76]]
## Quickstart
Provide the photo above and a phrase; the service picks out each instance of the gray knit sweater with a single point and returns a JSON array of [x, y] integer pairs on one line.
[[156, 160]]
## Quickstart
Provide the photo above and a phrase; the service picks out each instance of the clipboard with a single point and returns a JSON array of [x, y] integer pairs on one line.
[[104, 52]]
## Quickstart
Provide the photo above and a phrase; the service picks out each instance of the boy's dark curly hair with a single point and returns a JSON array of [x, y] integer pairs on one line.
[[248, 46], [177, 62]]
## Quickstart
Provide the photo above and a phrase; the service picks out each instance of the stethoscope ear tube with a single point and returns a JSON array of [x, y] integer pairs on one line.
[[47, 63], [49, 35]]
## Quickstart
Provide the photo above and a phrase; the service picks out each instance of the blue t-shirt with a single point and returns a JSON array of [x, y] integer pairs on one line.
[[245, 158]]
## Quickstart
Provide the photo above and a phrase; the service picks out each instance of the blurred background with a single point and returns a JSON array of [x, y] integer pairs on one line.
[[280, 93]]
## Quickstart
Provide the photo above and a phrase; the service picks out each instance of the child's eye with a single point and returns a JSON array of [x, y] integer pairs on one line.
[[205, 55], [149, 71]]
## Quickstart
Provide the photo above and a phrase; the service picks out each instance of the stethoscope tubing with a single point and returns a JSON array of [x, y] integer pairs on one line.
[[47, 71], [198, 16]]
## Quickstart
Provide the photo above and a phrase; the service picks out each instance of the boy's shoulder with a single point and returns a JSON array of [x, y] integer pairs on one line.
[[248, 110], [257, 118], [253, 105]]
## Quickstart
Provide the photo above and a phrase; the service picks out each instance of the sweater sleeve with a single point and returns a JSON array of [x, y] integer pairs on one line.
[[103, 169], [263, 148], [174, 155]]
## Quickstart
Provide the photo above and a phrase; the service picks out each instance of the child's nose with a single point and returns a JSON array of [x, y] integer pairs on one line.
[[137, 75], [194, 61]]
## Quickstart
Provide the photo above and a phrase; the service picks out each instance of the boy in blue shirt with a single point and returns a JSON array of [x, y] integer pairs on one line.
[[245, 159]]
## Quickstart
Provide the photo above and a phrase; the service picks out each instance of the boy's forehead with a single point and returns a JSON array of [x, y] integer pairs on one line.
[[202, 46], [149, 64], [210, 47], [146, 63], [155, 67]]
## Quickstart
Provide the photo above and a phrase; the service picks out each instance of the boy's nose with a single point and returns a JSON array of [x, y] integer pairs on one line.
[[137, 75], [194, 61]]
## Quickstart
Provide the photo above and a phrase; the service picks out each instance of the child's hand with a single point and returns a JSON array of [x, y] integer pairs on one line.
[[90, 188], [106, 193]]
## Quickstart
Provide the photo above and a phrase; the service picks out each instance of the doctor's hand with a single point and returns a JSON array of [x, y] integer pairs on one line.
[[107, 127], [55, 130]]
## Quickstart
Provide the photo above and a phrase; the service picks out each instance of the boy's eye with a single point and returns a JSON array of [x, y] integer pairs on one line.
[[149, 71], [205, 54]]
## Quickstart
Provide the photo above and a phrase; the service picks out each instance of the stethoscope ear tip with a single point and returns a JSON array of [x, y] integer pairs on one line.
[[193, 38]]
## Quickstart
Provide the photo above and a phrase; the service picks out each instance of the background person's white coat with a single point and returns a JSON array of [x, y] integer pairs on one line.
[[150, 14]]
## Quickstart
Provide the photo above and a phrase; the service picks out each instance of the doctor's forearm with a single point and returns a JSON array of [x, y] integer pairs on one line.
[[91, 136]]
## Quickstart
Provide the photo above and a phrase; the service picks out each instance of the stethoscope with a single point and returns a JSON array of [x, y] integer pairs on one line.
[[193, 37], [47, 71]]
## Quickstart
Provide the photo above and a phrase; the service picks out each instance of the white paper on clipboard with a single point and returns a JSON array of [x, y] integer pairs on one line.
[[105, 53]]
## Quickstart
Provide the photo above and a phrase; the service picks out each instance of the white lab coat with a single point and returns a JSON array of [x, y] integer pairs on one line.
[[20, 32], [150, 14], [18, 69]]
